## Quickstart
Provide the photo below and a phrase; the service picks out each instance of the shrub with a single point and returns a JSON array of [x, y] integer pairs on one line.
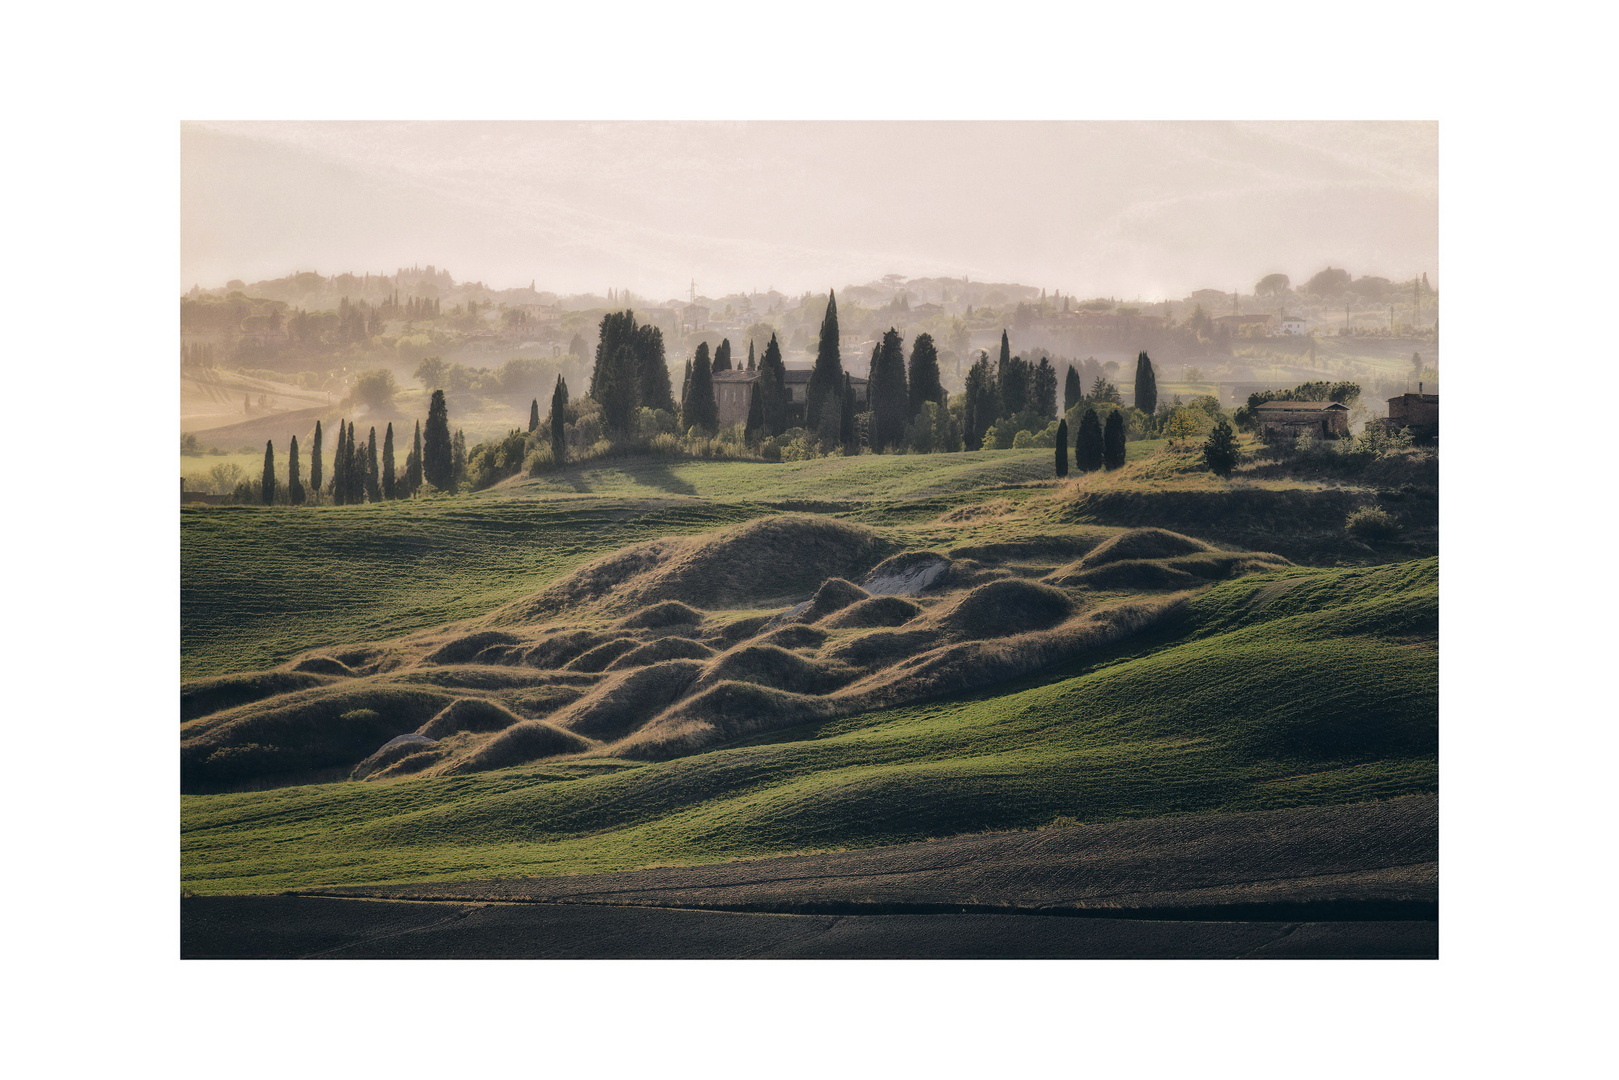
[[1372, 524]]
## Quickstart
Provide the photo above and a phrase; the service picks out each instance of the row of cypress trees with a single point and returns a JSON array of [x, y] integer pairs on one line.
[[1094, 447], [1008, 388], [359, 472]]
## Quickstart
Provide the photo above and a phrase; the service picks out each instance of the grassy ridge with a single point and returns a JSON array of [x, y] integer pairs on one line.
[[1284, 689]]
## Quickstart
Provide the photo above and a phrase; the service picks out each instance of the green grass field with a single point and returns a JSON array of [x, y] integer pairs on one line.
[[1296, 688]]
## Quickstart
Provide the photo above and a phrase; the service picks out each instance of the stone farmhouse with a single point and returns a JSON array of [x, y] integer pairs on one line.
[[733, 395], [1325, 419], [1419, 412]]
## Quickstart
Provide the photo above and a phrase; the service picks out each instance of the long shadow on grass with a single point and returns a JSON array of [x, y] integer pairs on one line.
[[664, 479]]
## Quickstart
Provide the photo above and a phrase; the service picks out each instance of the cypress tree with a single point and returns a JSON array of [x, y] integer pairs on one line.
[[413, 464], [826, 377], [295, 483], [846, 415], [653, 370], [699, 410], [722, 356], [389, 480], [355, 469], [923, 377], [616, 331], [980, 404], [534, 415], [750, 354], [753, 429], [340, 488], [559, 421], [1146, 386], [373, 477], [1073, 390], [267, 484], [685, 384], [458, 458], [1062, 448], [616, 390], [1113, 441], [436, 463], [890, 398], [772, 388], [1044, 395], [1089, 442], [314, 465]]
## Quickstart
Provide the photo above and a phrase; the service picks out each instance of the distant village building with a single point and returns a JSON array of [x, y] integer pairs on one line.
[[1419, 412], [733, 394], [1294, 327], [1325, 419]]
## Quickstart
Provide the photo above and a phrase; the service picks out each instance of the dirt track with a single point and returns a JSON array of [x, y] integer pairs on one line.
[[1321, 882]]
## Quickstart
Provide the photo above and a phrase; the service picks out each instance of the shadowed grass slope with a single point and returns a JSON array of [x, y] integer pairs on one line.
[[1292, 688]]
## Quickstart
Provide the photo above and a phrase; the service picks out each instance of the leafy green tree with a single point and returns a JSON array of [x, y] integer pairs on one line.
[[389, 480], [267, 484], [1062, 447], [559, 421], [1220, 451], [413, 464], [923, 376], [771, 389], [889, 396], [699, 409], [534, 415], [826, 377], [617, 390], [373, 477], [1146, 385], [1073, 391], [1089, 449], [1328, 282], [1180, 425], [295, 483], [577, 347], [722, 356], [314, 465], [1272, 285], [1113, 441], [437, 465]]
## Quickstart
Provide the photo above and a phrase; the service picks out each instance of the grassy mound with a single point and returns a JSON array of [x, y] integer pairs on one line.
[[466, 647], [203, 697], [906, 574], [391, 752], [722, 713], [561, 647], [1143, 544], [741, 629], [532, 740], [749, 565], [324, 665], [1127, 575], [598, 658], [625, 702], [877, 611], [882, 647], [546, 701], [487, 677], [834, 594], [313, 730], [771, 665], [666, 648], [468, 714], [1011, 606], [796, 636], [668, 613]]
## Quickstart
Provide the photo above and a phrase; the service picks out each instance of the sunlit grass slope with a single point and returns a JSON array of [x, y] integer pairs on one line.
[[1298, 687]]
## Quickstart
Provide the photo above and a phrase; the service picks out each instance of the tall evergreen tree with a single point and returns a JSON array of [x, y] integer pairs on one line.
[[654, 391], [889, 396], [413, 463], [340, 486], [577, 347], [355, 469], [373, 475], [617, 391], [559, 421], [753, 428], [750, 354], [314, 465], [1089, 444], [771, 389], [534, 415], [1220, 452], [1062, 448], [846, 425], [389, 479], [722, 356], [923, 376], [980, 403], [458, 458], [685, 384], [267, 482], [1073, 390], [437, 466], [1006, 354], [826, 377], [1113, 441], [1146, 386], [295, 483], [617, 330], [1012, 377], [1043, 392], [699, 410]]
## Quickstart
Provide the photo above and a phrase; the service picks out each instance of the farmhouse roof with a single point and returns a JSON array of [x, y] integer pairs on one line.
[[1302, 406], [735, 375]]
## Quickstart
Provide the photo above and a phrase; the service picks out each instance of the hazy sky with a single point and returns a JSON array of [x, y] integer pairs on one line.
[[1127, 209]]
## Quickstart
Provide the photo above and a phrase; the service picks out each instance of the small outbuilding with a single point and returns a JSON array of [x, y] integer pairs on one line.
[[1323, 419], [1419, 412]]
